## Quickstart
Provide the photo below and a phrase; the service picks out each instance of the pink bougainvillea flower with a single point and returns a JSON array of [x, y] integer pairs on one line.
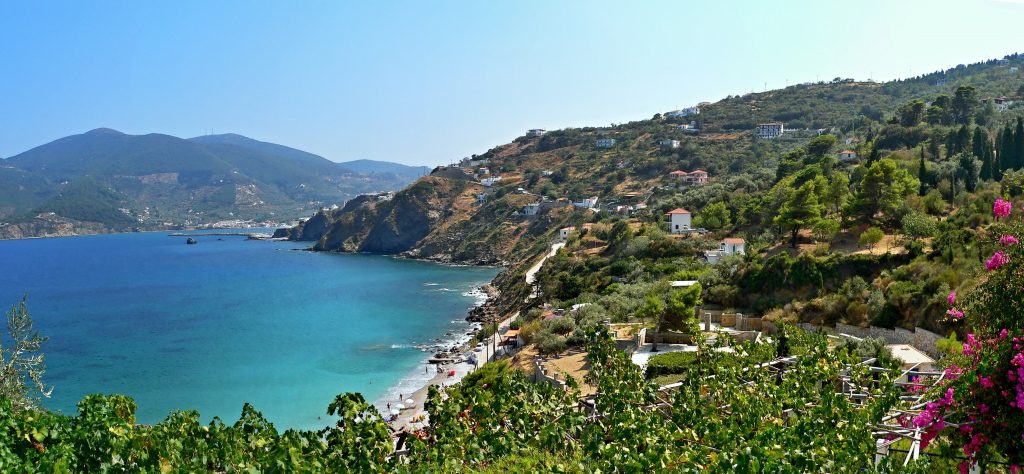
[[1008, 240], [951, 298], [997, 260], [1002, 208], [986, 382], [955, 314]]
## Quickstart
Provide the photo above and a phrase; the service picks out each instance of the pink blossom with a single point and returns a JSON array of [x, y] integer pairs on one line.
[[986, 382], [954, 313], [997, 260], [1002, 208], [1003, 334], [952, 295], [1008, 240]]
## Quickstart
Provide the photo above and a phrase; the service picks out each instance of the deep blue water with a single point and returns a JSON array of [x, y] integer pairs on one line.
[[214, 325]]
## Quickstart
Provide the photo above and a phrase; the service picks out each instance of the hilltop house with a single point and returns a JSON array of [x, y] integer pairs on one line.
[[685, 112], [531, 209], [680, 220], [670, 144], [535, 132], [847, 155], [490, 181], [694, 178], [729, 246], [563, 233], [604, 143], [770, 130]]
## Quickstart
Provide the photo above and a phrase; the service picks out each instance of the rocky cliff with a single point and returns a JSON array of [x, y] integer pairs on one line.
[[437, 218], [51, 225]]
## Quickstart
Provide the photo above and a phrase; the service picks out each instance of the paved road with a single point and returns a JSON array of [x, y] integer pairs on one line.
[[487, 351], [531, 274]]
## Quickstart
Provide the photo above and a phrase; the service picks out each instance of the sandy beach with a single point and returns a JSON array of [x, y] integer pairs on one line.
[[414, 417]]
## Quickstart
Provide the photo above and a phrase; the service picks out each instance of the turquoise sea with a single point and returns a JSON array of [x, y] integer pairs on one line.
[[228, 321]]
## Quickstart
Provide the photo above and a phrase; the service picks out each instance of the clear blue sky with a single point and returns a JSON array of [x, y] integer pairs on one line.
[[429, 82]]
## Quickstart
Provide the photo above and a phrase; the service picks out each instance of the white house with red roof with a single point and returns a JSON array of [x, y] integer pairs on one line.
[[680, 220], [847, 155]]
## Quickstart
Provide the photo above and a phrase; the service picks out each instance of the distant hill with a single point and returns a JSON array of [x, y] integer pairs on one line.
[[385, 167], [119, 181]]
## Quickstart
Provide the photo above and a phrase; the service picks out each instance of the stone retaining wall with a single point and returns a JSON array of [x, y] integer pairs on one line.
[[920, 338]]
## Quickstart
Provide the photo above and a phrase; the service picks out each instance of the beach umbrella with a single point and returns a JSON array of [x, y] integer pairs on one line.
[[395, 411], [399, 406]]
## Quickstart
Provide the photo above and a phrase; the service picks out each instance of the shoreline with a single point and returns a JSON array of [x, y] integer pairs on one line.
[[414, 417]]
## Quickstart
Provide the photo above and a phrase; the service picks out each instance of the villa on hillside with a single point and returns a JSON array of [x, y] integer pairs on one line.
[[563, 233], [669, 144], [490, 181], [531, 209], [770, 130], [688, 127], [685, 112], [694, 178], [536, 132], [847, 155], [680, 221], [588, 203], [604, 143], [729, 246]]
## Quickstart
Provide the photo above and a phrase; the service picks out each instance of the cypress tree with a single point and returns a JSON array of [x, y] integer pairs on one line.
[[1018, 145], [1006, 155], [981, 149], [922, 176]]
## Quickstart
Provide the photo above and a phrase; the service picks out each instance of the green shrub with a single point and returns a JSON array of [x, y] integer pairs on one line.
[[670, 363]]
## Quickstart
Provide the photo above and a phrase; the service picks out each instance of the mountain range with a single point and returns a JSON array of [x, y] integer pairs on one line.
[[105, 180]]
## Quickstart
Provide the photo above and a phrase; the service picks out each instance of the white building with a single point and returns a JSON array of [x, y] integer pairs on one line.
[[847, 155], [770, 130], [685, 112], [490, 181], [531, 209], [588, 203], [604, 143], [911, 359], [669, 143], [729, 246], [563, 233], [680, 220], [536, 132]]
